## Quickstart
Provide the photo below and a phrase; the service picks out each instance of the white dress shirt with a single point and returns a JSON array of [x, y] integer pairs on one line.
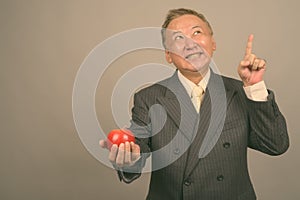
[[256, 92]]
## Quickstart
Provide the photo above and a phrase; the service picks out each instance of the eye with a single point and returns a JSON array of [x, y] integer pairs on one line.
[[178, 37], [197, 32]]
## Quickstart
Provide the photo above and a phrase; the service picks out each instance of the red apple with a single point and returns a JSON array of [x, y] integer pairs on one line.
[[118, 136]]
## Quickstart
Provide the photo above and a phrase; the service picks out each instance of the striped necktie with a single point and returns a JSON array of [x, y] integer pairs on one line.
[[197, 94]]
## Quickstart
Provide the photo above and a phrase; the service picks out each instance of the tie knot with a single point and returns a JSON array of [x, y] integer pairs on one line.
[[197, 91]]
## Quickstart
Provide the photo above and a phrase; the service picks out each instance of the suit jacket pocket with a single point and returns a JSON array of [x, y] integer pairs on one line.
[[234, 124]]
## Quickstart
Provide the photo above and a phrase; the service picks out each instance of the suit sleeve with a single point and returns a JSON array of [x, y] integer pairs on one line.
[[141, 127], [268, 129]]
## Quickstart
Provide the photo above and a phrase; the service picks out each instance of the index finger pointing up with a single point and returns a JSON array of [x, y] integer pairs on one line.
[[249, 45]]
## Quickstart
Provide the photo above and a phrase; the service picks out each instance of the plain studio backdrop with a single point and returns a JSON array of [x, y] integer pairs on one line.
[[43, 44]]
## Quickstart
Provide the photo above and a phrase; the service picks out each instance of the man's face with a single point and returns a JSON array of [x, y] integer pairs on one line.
[[189, 44]]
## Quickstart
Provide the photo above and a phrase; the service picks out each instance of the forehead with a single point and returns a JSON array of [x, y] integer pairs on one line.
[[186, 22]]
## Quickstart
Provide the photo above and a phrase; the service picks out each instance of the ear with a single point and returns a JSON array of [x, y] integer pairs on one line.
[[168, 57], [214, 44]]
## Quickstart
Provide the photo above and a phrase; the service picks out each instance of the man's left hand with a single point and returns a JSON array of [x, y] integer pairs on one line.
[[251, 69]]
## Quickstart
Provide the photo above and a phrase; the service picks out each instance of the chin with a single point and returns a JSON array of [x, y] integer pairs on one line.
[[200, 69], [199, 65]]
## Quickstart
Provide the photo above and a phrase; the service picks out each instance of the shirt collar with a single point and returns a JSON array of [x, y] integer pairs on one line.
[[189, 85]]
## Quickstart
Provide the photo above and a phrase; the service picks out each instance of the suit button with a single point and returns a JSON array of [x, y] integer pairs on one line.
[[220, 178], [176, 151], [226, 145], [187, 182]]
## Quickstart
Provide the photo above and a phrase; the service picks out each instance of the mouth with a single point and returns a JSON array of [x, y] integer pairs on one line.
[[194, 55]]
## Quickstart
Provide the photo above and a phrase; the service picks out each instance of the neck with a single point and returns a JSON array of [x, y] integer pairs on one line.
[[195, 77]]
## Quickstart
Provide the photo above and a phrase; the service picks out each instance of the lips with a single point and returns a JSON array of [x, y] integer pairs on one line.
[[194, 55]]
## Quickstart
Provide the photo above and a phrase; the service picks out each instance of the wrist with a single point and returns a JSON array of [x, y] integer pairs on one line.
[[257, 91]]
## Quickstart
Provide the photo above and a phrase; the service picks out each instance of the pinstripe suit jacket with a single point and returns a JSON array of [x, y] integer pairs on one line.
[[174, 135]]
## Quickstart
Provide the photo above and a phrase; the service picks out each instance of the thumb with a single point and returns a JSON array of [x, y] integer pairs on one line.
[[244, 63], [103, 143]]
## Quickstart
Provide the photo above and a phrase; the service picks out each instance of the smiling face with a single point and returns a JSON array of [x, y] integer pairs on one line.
[[189, 44]]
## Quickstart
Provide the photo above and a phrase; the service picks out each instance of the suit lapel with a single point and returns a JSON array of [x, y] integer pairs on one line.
[[179, 106], [212, 118], [193, 126]]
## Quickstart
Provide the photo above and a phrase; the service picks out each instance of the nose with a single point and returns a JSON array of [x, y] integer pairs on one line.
[[190, 44]]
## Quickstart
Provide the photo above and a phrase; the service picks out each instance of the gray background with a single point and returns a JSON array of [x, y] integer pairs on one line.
[[43, 44]]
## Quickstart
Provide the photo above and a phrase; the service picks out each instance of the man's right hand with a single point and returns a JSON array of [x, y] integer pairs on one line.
[[126, 155]]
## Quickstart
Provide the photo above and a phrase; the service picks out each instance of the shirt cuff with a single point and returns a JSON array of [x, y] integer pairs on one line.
[[257, 92]]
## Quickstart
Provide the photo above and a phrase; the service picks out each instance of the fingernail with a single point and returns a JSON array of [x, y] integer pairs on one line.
[[114, 147]]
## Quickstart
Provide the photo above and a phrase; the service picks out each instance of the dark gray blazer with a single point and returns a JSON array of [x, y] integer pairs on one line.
[[169, 129]]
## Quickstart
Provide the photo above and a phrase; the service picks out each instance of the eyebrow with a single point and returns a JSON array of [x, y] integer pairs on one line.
[[176, 32], [196, 27]]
